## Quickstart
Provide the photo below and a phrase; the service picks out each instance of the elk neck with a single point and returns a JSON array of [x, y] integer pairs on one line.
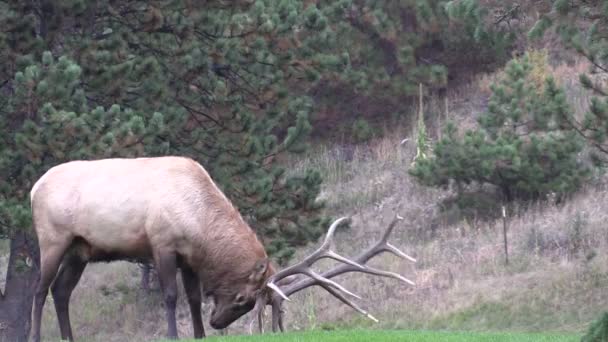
[[229, 247]]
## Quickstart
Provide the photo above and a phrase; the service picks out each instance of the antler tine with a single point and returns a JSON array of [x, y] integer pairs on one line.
[[277, 317], [384, 246], [261, 320], [390, 228], [321, 252], [374, 271], [330, 232], [324, 251], [325, 281], [260, 311], [278, 290], [394, 250], [331, 254], [348, 302]]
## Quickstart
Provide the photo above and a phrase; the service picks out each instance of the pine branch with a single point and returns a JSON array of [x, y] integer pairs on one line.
[[510, 14], [592, 60], [388, 47], [194, 111], [576, 127]]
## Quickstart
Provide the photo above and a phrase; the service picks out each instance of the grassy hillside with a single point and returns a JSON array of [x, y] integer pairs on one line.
[[555, 282], [558, 262]]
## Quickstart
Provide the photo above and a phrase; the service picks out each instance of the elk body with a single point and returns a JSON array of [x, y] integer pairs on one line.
[[168, 210], [164, 209]]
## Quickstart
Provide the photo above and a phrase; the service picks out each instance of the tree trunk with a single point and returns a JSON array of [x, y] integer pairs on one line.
[[21, 278]]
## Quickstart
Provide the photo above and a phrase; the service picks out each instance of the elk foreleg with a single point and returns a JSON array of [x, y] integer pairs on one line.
[[67, 278], [166, 265], [193, 292]]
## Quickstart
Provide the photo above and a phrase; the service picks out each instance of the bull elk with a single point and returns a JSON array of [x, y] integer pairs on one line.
[[169, 211]]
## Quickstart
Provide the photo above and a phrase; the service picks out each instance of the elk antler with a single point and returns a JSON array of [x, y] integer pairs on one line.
[[357, 265]]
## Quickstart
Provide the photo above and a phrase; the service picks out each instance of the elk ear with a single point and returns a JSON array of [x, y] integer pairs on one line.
[[259, 269]]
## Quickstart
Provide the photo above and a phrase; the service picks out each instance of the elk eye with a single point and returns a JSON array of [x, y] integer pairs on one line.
[[239, 299]]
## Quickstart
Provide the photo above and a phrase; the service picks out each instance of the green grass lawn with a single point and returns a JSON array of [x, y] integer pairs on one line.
[[390, 336]]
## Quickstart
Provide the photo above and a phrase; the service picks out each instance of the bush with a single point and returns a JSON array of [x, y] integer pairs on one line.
[[520, 147], [361, 130], [598, 331]]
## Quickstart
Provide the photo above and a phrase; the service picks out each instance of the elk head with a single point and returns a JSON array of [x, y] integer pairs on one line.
[[232, 302], [286, 282]]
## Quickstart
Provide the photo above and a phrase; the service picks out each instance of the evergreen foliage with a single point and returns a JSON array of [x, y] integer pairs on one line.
[[520, 147], [598, 331], [222, 82], [422, 139], [406, 43], [393, 46], [362, 131], [582, 27], [226, 83]]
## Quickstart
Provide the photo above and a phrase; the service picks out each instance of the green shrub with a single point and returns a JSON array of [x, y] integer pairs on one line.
[[598, 331], [361, 130], [520, 147]]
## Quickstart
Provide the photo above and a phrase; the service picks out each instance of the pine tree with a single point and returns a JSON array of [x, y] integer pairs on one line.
[[393, 46], [520, 147], [582, 27], [223, 82]]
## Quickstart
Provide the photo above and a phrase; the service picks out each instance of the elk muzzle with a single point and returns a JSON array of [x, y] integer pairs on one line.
[[223, 316]]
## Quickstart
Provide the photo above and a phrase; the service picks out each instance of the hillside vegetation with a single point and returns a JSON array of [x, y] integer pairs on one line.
[[555, 281], [446, 113]]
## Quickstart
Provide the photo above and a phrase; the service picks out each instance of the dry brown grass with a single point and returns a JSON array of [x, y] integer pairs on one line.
[[554, 280]]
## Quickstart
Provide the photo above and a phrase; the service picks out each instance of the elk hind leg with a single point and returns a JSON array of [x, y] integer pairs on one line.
[[166, 265], [50, 259], [193, 292], [67, 278]]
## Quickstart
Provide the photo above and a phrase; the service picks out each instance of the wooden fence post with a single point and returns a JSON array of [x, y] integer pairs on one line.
[[504, 233]]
